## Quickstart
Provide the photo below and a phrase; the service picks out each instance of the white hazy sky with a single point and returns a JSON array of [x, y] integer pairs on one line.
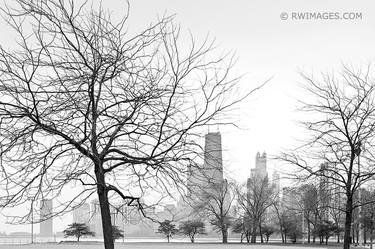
[[266, 46]]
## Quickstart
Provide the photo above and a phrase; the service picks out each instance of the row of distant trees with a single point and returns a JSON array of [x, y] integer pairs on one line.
[[243, 209], [333, 166], [189, 228], [314, 212], [79, 230], [338, 149]]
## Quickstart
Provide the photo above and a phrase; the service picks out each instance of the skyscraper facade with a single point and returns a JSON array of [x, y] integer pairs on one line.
[[82, 214], [46, 226], [213, 157], [211, 172], [96, 218], [276, 183], [260, 170]]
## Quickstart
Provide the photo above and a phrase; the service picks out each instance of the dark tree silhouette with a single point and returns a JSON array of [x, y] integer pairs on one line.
[[325, 229], [242, 226], [215, 202], [117, 233], [191, 228], [291, 227], [254, 198], [78, 230], [267, 231], [84, 102], [368, 213], [341, 122], [168, 229]]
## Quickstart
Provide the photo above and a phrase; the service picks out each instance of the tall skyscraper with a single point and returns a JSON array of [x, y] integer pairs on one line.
[[46, 226], [260, 170], [213, 157], [82, 214], [96, 218], [276, 183], [207, 179], [324, 190], [211, 172]]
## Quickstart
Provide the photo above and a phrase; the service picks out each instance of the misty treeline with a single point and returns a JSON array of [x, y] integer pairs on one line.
[[338, 149], [328, 193]]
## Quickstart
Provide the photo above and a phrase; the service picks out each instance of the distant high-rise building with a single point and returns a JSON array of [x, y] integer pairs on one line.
[[46, 210], [324, 190], [82, 214], [96, 219], [211, 172], [120, 214], [289, 198], [276, 183], [213, 158], [168, 213], [260, 170], [258, 174]]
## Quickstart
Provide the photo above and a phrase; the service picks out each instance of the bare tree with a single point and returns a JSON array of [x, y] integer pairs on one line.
[[310, 205], [191, 228], [336, 209], [242, 226], [255, 198], [78, 230], [168, 229], [289, 223], [368, 213], [215, 202], [341, 123], [83, 102]]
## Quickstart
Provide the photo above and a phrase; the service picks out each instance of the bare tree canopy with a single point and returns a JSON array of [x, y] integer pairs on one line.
[[215, 202], [342, 127], [83, 102], [254, 198]]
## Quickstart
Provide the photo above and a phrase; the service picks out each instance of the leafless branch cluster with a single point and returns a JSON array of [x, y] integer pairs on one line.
[[342, 128], [83, 101]]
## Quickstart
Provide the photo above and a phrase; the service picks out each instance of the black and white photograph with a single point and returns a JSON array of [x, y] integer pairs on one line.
[[187, 124]]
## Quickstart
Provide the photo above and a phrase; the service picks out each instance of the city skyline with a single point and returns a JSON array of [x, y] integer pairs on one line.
[[89, 212]]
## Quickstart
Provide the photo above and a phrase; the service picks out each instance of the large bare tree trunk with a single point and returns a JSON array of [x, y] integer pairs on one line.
[[224, 232], [282, 234], [308, 232], [106, 219], [254, 233], [371, 234], [357, 234], [315, 222], [104, 209], [348, 222]]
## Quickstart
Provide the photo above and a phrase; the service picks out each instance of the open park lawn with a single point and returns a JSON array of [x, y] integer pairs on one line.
[[158, 245]]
